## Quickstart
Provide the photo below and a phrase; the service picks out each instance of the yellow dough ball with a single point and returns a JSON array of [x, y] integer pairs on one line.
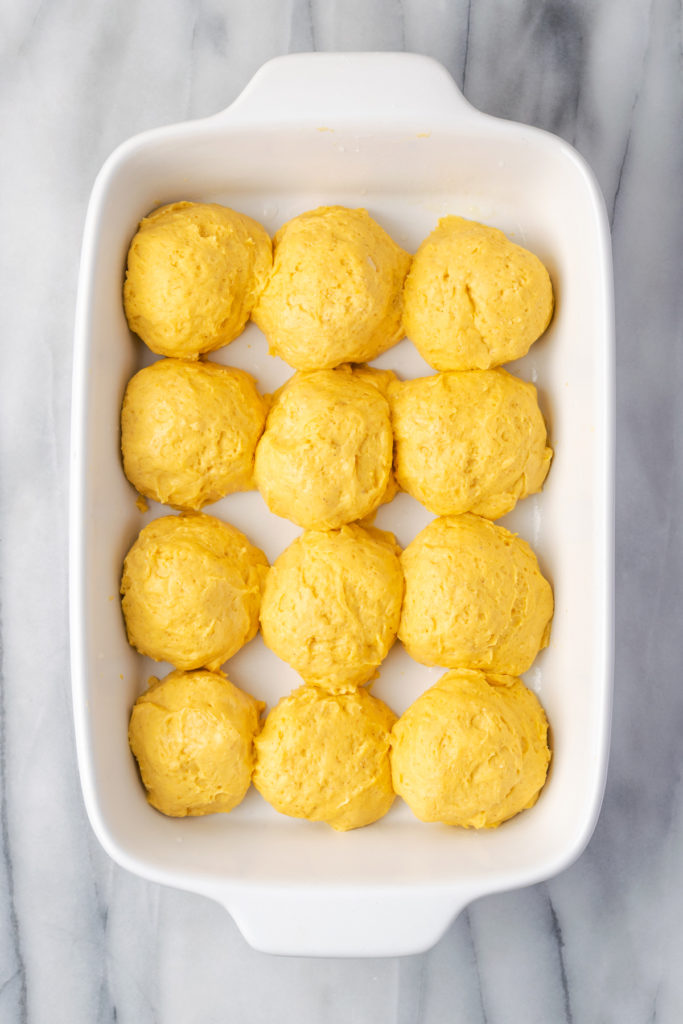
[[194, 273], [471, 751], [473, 441], [335, 291], [332, 602], [382, 380], [474, 597], [473, 299], [325, 456], [191, 590], [189, 431], [325, 756], [192, 734]]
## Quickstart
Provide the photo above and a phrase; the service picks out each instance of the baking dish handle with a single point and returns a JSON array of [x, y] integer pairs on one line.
[[329, 88], [377, 922]]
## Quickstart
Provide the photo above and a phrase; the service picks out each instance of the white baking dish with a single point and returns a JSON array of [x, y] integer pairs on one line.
[[392, 133]]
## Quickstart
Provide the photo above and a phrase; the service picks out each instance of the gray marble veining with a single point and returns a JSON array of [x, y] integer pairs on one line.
[[80, 939]]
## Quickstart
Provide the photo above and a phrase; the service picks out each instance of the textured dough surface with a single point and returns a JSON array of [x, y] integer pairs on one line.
[[192, 734], [189, 431], [325, 456], [471, 751], [332, 602], [335, 291], [471, 441], [474, 597], [473, 299], [382, 380], [325, 757], [191, 590], [194, 273]]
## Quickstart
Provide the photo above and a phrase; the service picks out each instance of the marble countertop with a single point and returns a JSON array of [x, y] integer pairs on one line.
[[82, 940]]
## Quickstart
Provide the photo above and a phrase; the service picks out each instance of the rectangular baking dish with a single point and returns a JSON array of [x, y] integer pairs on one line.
[[392, 133]]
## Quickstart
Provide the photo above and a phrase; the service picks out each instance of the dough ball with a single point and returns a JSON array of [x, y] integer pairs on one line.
[[192, 734], [189, 431], [335, 291], [475, 597], [473, 299], [332, 603], [191, 590], [325, 756], [470, 441], [471, 751], [325, 456], [382, 380], [194, 273]]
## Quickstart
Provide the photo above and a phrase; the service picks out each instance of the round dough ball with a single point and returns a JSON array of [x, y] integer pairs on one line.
[[192, 734], [473, 299], [469, 442], [325, 456], [325, 756], [332, 602], [194, 273], [471, 751], [474, 597], [335, 291], [191, 590], [189, 431]]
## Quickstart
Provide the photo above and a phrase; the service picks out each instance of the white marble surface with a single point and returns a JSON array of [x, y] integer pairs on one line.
[[80, 939]]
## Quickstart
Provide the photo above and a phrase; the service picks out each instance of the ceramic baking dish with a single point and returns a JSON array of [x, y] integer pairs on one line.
[[389, 132]]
